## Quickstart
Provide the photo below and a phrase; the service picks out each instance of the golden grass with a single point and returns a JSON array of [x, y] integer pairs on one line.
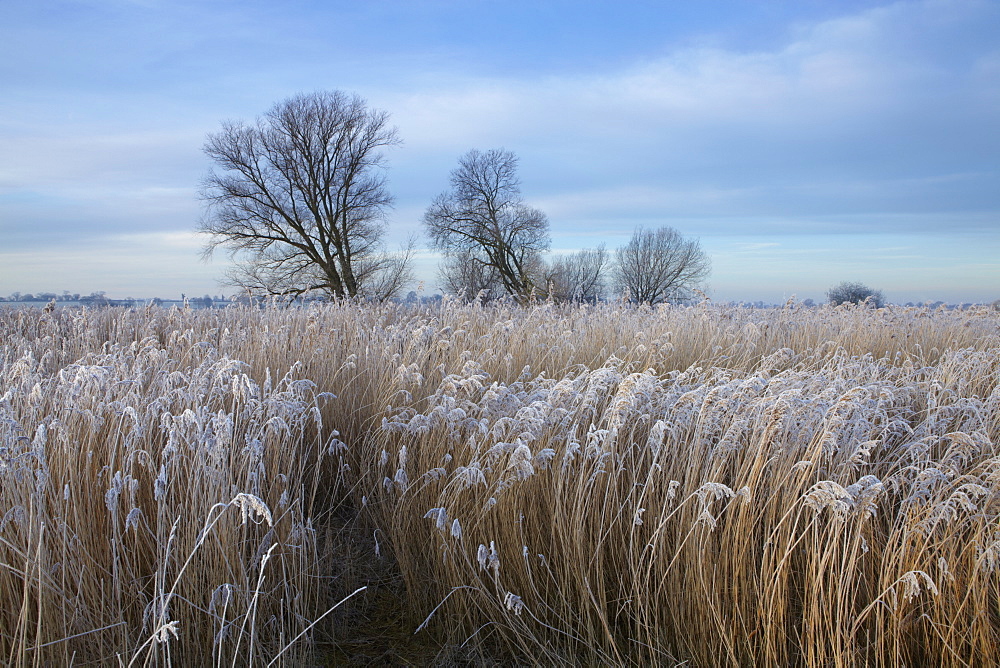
[[715, 485]]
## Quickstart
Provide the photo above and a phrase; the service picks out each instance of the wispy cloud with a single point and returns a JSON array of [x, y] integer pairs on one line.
[[862, 115], [751, 247]]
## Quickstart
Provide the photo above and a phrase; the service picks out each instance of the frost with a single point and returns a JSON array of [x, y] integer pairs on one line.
[[829, 494], [252, 508], [164, 633], [160, 484], [513, 603], [132, 520], [469, 476], [520, 462], [544, 458], [488, 557], [440, 517]]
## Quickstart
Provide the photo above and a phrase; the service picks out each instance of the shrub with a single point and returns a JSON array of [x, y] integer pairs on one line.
[[855, 293]]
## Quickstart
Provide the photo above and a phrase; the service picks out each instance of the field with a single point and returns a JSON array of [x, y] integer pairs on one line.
[[467, 484]]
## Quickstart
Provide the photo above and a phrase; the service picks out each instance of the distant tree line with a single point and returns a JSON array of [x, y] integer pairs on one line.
[[100, 298], [43, 297], [66, 296]]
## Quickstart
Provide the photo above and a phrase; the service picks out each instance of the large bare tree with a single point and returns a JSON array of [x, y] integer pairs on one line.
[[482, 220], [299, 199], [660, 265]]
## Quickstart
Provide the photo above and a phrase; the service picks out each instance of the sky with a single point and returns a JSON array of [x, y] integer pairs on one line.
[[803, 142]]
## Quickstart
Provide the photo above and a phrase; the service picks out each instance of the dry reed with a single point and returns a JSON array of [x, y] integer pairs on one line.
[[716, 485]]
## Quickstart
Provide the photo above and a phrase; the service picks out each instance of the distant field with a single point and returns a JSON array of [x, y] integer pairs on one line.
[[467, 484]]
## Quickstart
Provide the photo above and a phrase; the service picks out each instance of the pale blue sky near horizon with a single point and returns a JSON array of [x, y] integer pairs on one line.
[[803, 142]]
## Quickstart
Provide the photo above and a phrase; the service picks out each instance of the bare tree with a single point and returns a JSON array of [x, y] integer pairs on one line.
[[483, 220], [660, 265], [300, 196], [579, 276], [460, 275], [855, 293]]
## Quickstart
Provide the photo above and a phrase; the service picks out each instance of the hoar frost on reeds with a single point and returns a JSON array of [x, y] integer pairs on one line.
[[155, 510], [715, 485]]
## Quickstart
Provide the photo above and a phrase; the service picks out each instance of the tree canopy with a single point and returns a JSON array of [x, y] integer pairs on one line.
[[482, 220], [660, 265], [855, 293], [299, 198]]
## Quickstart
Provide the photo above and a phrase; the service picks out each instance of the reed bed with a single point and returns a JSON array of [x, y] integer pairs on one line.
[[591, 484]]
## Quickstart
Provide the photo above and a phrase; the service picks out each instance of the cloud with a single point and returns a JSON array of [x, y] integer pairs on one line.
[[867, 114], [751, 247]]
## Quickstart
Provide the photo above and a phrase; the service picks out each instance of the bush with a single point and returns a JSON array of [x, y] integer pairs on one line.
[[855, 293]]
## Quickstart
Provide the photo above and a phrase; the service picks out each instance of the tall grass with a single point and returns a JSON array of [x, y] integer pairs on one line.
[[716, 485]]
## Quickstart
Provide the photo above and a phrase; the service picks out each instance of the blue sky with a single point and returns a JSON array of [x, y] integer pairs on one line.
[[804, 143]]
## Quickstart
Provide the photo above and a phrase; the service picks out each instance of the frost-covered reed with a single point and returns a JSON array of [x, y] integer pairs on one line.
[[156, 505], [716, 485]]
